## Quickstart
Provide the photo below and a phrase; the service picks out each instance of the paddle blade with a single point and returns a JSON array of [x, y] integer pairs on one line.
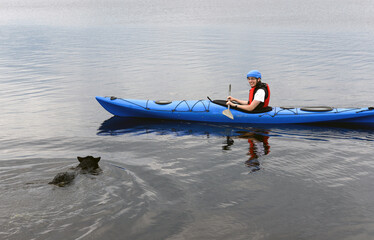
[[228, 113]]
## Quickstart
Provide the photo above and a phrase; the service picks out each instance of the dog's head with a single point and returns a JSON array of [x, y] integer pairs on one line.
[[89, 162]]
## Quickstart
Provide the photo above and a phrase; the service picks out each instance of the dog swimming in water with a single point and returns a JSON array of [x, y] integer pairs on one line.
[[87, 165]]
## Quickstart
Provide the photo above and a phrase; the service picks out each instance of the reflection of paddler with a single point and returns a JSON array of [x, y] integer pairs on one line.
[[258, 146]]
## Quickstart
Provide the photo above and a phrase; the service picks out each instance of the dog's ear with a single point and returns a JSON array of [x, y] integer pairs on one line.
[[80, 159]]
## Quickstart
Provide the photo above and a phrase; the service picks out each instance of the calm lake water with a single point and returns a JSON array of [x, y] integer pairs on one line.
[[180, 180]]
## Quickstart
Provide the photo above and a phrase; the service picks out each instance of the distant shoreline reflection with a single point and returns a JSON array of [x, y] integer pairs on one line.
[[258, 139]]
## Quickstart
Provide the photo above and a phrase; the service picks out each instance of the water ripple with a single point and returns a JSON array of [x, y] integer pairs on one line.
[[89, 203]]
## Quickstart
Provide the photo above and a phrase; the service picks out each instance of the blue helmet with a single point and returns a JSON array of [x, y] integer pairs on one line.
[[254, 73]]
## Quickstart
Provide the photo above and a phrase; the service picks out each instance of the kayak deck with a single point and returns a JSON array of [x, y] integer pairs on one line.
[[207, 111]]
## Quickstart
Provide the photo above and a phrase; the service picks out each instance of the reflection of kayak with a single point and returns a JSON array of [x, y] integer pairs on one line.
[[207, 111], [120, 125], [116, 126]]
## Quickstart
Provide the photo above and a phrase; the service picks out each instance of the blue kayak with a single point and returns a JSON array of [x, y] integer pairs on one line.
[[211, 111]]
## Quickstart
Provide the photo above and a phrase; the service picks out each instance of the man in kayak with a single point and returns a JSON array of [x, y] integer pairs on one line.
[[259, 95]]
